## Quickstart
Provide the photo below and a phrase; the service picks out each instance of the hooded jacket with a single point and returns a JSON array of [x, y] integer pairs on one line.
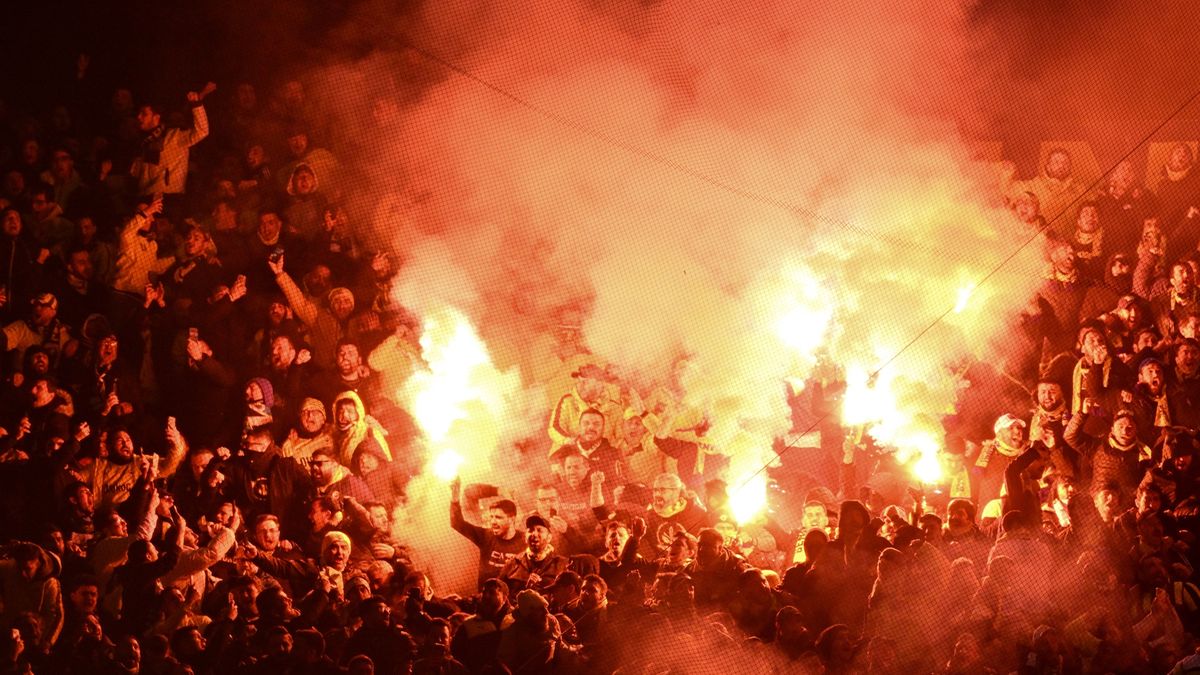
[[362, 434], [41, 595]]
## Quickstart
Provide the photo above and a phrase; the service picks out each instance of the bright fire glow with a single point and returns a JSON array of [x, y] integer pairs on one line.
[[748, 497], [874, 406], [964, 298], [806, 313], [459, 400]]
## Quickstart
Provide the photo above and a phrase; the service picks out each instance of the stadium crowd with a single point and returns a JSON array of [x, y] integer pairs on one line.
[[202, 450]]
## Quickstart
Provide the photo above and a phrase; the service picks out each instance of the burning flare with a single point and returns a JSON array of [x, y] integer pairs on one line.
[[459, 400]]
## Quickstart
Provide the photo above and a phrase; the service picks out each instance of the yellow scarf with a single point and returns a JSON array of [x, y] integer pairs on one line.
[[1043, 417], [1093, 240], [997, 445], [1177, 299], [1162, 413], [1071, 278]]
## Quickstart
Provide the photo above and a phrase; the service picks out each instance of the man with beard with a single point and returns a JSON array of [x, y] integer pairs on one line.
[[1051, 409], [1124, 206], [112, 475], [162, 165], [1183, 393], [1097, 374], [289, 374], [589, 393], [498, 543], [1102, 298], [350, 373], [310, 436], [962, 536], [1111, 460], [329, 478], [670, 505], [538, 565], [1171, 308], [328, 323], [1150, 405], [264, 481]]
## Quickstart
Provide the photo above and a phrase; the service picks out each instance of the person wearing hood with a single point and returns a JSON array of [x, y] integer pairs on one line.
[[264, 481], [1117, 281], [306, 202], [327, 323], [530, 643], [386, 480], [29, 583], [355, 431], [310, 436]]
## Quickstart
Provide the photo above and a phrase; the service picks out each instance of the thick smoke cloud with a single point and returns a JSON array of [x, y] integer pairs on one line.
[[744, 186]]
